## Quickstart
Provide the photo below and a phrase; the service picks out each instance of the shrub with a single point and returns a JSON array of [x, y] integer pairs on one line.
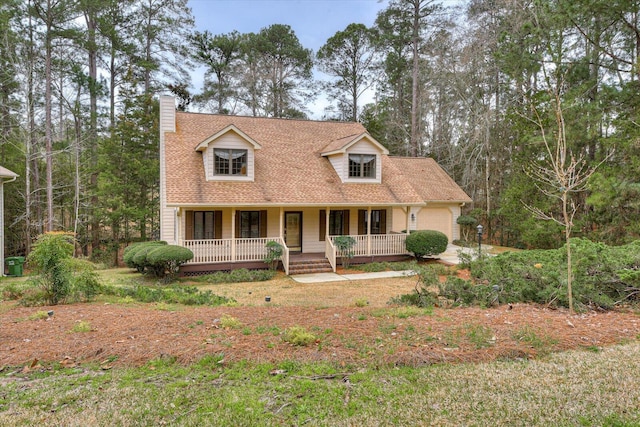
[[229, 322], [130, 252], [187, 295], [274, 253], [426, 243], [602, 275], [466, 222], [345, 245], [236, 276], [464, 292], [47, 259], [422, 296], [85, 283], [297, 335], [165, 260]]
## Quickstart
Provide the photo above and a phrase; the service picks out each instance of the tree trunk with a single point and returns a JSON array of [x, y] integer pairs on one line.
[[48, 120], [567, 238], [413, 147]]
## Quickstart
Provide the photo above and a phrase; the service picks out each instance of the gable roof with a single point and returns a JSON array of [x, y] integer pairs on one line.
[[289, 168], [341, 145], [429, 180], [231, 128]]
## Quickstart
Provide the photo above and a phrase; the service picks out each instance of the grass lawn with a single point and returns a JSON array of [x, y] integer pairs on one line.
[[593, 386], [577, 388]]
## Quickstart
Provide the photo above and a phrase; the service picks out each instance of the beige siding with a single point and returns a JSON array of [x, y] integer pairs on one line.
[[233, 141], [337, 161], [398, 221], [455, 210], [167, 124], [439, 219], [167, 114]]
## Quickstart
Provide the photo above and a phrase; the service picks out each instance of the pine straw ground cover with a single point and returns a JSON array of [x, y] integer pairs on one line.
[[115, 362], [351, 322]]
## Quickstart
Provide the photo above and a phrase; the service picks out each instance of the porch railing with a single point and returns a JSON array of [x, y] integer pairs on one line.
[[231, 250], [330, 253], [378, 244], [248, 250], [285, 258]]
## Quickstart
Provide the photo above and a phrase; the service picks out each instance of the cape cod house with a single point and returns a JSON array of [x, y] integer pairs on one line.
[[230, 184]]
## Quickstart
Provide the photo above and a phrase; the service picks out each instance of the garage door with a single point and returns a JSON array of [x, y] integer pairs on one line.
[[440, 219]]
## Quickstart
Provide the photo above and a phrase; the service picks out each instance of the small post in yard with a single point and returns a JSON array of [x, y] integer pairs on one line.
[[479, 227]]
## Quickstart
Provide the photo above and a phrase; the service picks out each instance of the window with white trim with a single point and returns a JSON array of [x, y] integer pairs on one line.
[[230, 162], [362, 165]]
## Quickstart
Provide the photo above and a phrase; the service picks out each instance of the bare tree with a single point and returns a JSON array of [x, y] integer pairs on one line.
[[560, 174]]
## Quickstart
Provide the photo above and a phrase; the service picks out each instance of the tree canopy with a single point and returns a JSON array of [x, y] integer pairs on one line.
[[467, 85]]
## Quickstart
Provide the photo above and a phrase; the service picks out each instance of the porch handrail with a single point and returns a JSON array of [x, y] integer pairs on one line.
[[285, 256], [330, 253], [378, 244], [220, 250]]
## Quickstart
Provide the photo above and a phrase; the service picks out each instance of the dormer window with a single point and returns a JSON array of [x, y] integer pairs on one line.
[[230, 162], [362, 165]]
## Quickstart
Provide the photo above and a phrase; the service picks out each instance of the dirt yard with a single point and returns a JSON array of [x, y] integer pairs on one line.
[[346, 333]]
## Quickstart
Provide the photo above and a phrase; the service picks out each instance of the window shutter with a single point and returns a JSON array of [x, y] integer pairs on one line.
[[383, 221], [345, 222], [217, 225], [362, 215], [263, 223], [237, 235], [188, 219], [323, 225]]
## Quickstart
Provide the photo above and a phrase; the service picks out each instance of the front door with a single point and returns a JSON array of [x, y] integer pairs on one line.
[[293, 231]]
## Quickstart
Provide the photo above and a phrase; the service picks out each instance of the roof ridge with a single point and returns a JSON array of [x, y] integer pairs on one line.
[[289, 119]]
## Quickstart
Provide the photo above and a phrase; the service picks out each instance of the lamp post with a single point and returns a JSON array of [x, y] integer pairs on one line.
[[479, 227]]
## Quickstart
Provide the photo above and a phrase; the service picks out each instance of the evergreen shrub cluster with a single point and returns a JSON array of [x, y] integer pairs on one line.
[[174, 294], [426, 243], [156, 258], [603, 276], [236, 276], [424, 294]]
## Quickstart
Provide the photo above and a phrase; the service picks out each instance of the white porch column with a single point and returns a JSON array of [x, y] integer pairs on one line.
[[327, 222], [177, 236], [368, 230], [282, 223], [233, 234], [408, 220]]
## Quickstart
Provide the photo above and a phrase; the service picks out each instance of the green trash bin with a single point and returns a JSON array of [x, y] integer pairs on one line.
[[14, 265]]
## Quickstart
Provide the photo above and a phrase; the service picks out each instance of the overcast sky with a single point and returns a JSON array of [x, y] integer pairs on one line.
[[313, 21]]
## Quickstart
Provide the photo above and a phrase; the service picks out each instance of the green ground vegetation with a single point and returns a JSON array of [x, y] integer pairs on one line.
[[566, 389]]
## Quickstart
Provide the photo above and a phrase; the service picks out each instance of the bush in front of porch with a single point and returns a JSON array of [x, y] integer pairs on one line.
[[426, 243]]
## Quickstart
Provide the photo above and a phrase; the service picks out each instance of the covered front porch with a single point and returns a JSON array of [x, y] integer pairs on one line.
[[226, 238], [254, 250]]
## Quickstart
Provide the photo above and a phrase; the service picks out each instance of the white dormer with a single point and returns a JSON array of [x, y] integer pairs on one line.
[[357, 159], [229, 155]]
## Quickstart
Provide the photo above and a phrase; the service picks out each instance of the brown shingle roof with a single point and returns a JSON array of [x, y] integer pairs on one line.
[[289, 169], [429, 180]]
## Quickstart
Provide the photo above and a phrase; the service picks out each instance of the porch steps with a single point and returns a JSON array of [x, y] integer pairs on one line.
[[308, 266]]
